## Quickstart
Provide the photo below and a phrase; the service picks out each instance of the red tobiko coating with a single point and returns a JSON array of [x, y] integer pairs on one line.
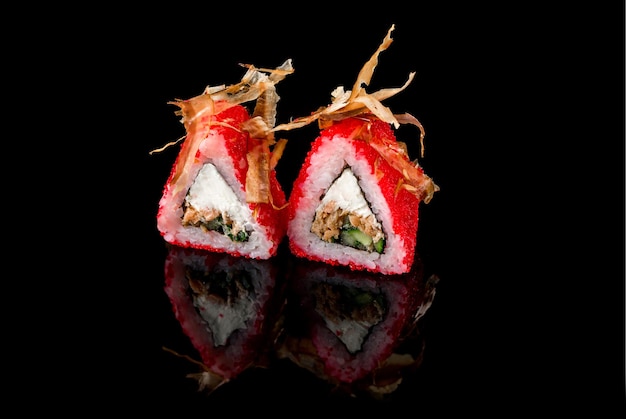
[[403, 204]]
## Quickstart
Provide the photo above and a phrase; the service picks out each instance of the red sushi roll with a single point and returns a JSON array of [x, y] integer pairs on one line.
[[356, 198], [222, 193]]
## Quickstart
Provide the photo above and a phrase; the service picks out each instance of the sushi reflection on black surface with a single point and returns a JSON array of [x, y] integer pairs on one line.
[[228, 307], [357, 331]]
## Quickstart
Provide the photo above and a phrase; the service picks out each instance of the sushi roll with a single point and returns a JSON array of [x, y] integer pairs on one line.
[[351, 326], [356, 198], [222, 193], [227, 306]]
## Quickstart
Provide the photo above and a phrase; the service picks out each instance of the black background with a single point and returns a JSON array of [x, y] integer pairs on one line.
[[523, 112]]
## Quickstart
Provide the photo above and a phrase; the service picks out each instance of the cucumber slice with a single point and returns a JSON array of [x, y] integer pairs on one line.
[[379, 246], [355, 238], [347, 239]]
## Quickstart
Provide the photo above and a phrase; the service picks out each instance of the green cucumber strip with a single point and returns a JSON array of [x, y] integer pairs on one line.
[[354, 237], [361, 237], [347, 239], [379, 246]]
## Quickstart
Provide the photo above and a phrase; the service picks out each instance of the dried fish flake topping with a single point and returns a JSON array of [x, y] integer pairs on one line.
[[346, 104], [359, 103], [197, 117]]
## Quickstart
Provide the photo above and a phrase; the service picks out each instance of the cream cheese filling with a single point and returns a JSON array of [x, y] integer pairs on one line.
[[347, 194], [210, 196]]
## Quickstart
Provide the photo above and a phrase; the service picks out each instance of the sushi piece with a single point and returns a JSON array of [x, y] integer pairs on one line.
[[222, 193], [356, 330], [356, 198], [228, 306]]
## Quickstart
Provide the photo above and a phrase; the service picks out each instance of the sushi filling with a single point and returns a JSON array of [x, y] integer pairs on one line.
[[349, 312], [211, 220], [207, 206], [345, 217]]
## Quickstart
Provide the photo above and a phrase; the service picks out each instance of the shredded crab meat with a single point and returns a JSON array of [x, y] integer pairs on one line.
[[193, 216], [330, 219], [202, 217]]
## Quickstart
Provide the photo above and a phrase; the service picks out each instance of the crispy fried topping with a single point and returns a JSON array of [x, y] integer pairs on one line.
[[357, 102], [197, 117]]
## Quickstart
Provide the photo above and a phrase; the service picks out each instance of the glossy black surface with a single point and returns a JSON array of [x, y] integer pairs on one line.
[[357, 332], [528, 312]]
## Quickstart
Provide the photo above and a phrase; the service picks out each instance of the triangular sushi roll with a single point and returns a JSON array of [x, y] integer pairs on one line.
[[222, 193], [227, 306], [355, 200], [348, 206]]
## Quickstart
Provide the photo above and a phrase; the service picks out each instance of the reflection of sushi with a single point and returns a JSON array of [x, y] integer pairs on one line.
[[352, 323], [226, 305], [355, 200], [222, 193]]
